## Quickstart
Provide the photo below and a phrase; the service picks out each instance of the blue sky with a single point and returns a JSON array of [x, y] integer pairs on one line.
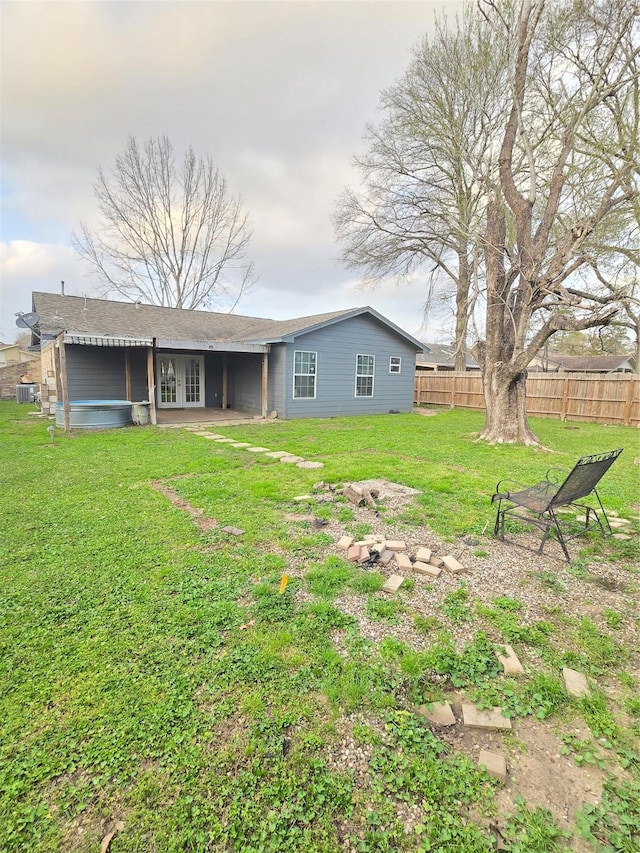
[[278, 93]]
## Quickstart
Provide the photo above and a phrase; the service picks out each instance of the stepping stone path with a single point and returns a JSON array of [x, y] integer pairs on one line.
[[438, 713], [282, 455], [234, 531], [510, 662], [494, 763], [575, 683], [489, 718]]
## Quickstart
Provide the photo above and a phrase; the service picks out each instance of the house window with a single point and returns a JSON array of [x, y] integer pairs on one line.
[[304, 375], [395, 363], [365, 365]]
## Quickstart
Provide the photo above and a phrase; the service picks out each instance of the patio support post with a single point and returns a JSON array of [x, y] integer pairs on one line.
[[151, 388], [265, 383], [64, 383], [127, 375], [225, 381]]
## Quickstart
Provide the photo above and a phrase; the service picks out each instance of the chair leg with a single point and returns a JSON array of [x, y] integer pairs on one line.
[[498, 527], [556, 527]]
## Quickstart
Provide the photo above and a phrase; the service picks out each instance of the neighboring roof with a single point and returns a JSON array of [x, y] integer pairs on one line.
[[443, 355], [103, 317], [589, 363]]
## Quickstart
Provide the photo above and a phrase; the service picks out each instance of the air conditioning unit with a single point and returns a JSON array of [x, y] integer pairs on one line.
[[26, 393]]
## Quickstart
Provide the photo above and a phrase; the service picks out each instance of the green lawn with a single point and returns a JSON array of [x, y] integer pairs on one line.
[[151, 672]]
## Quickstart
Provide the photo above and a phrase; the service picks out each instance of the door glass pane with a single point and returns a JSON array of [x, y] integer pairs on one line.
[[168, 387], [192, 380]]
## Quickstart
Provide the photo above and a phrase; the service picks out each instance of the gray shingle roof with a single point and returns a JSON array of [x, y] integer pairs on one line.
[[82, 315]]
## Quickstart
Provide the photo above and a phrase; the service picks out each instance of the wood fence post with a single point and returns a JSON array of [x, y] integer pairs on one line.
[[628, 403], [453, 392], [64, 383], [565, 398]]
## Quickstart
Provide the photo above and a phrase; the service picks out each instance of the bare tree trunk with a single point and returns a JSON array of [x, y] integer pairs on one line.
[[506, 416], [462, 311]]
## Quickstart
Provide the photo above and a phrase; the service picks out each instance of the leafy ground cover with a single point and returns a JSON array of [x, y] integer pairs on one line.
[[152, 673]]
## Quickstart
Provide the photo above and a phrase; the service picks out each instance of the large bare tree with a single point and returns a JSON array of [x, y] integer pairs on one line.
[[568, 161], [420, 206], [169, 234]]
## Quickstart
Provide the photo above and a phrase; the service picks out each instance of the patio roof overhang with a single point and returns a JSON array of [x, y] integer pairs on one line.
[[105, 340], [211, 346]]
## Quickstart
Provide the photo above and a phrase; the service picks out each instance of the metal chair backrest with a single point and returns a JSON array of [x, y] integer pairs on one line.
[[584, 477]]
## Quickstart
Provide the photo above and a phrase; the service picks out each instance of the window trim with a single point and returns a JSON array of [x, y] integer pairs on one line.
[[397, 358], [371, 375], [314, 374]]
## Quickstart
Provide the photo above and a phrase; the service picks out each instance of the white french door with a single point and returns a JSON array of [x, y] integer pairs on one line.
[[180, 381]]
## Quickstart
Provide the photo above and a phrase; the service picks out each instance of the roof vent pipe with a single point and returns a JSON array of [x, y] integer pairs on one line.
[[62, 288]]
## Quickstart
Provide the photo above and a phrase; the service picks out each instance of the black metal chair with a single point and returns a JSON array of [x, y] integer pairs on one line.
[[537, 505]]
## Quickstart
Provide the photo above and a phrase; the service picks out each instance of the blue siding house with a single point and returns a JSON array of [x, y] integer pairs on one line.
[[339, 363]]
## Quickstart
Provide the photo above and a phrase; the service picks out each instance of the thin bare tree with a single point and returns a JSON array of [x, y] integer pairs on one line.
[[424, 176], [168, 235]]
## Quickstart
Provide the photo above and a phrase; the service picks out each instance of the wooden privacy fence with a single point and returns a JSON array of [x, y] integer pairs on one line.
[[610, 399]]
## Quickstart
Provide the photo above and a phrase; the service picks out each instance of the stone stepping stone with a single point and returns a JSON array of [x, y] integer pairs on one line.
[[403, 561], [305, 464], [452, 565], [290, 460], [510, 662], [489, 718], [619, 522], [494, 763], [210, 436], [621, 537], [426, 569], [241, 444], [393, 583], [438, 713], [423, 555], [575, 683], [277, 454], [301, 498], [234, 531], [257, 449], [225, 440]]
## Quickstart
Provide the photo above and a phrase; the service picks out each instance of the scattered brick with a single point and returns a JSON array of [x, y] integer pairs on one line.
[[423, 555], [345, 542], [452, 565], [403, 561], [494, 763], [510, 662], [436, 561], [575, 683], [234, 531], [490, 718], [364, 554], [385, 557], [426, 569], [438, 713], [396, 545], [353, 553], [393, 583]]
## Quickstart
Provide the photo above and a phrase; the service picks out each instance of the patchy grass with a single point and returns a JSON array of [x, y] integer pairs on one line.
[[152, 672]]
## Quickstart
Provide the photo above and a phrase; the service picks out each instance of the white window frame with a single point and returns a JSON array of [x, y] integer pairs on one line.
[[313, 373], [371, 375], [395, 361]]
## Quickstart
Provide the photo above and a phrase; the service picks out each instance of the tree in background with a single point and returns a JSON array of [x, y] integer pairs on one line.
[[511, 149], [424, 176], [169, 235], [560, 180]]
